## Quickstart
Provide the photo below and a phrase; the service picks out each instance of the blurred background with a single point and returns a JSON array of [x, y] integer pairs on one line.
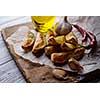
[[6, 21]]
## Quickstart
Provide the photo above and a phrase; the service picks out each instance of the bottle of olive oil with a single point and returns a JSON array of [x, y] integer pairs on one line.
[[43, 23]]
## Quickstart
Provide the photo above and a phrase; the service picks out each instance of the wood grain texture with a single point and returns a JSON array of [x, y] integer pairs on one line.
[[9, 73], [5, 58], [4, 54]]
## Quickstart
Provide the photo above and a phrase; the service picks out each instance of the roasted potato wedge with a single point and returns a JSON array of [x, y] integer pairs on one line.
[[51, 32], [50, 49], [71, 38], [51, 41], [67, 46], [60, 58], [79, 53], [28, 42], [56, 40], [60, 39], [50, 37], [74, 64], [39, 44]]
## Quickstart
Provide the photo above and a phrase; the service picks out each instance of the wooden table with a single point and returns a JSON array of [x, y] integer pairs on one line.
[[9, 73]]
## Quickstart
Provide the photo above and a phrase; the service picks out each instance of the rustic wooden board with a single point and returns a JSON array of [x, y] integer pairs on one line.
[[37, 73]]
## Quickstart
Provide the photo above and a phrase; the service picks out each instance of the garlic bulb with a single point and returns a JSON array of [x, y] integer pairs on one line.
[[63, 27]]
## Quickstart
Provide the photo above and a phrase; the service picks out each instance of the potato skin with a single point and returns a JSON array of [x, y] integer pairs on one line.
[[71, 38], [78, 53], [74, 65], [60, 58], [51, 33], [28, 45], [67, 47], [51, 41], [60, 39], [50, 49], [28, 42], [50, 38], [39, 45]]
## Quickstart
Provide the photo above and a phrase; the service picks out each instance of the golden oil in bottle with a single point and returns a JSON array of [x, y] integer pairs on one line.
[[43, 23]]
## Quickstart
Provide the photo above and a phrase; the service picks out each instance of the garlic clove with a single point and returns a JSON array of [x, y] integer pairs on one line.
[[59, 73], [74, 65]]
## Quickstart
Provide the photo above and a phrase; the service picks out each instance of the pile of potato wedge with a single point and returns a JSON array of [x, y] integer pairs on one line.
[[61, 49]]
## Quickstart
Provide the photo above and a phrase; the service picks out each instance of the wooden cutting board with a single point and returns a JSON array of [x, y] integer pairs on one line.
[[37, 73]]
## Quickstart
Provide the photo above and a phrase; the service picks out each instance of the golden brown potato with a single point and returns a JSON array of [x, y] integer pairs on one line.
[[56, 40], [59, 73], [28, 45], [51, 32], [39, 44], [78, 53], [67, 46], [74, 64], [60, 58], [60, 39], [71, 38], [51, 41], [50, 49], [28, 42]]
